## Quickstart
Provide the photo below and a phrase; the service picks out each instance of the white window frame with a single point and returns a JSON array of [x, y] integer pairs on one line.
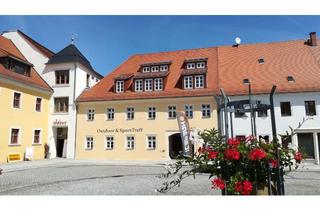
[[153, 142], [154, 68], [147, 84], [111, 141], [40, 136], [20, 104], [199, 79], [90, 114], [146, 69], [164, 68], [138, 85], [206, 109], [130, 113], [40, 104], [111, 112], [187, 110], [132, 142], [191, 65], [120, 86], [19, 136], [152, 111], [158, 84], [201, 65], [86, 143], [188, 82], [172, 111]]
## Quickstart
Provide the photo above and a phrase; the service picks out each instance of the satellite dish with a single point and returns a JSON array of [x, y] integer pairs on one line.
[[237, 40]]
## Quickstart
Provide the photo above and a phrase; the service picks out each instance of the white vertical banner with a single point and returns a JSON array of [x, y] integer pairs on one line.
[[184, 128]]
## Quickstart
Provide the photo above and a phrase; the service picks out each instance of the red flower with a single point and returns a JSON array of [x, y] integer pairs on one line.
[[232, 154], [233, 142], [238, 187], [247, 187], [274, 163], [218, 183], [213, 154], [298, 157], [257, 154], [202, 150]]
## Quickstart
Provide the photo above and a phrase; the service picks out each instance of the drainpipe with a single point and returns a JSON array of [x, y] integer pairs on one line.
[[74, 102]]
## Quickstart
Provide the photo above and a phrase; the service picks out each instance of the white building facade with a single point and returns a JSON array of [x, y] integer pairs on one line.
[[68, 73]]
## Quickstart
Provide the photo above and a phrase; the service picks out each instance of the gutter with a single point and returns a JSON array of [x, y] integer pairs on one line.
[[74, 102]]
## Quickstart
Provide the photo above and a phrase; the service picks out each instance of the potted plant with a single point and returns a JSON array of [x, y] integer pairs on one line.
[[237, 166]]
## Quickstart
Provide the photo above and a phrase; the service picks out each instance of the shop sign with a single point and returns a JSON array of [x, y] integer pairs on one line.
[[59, 123], [184, 128], [13, 157], [120, 130]]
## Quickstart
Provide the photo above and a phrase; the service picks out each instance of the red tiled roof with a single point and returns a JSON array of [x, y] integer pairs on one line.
[[7, 48], [104, 89], [281, 59], [227, 67]]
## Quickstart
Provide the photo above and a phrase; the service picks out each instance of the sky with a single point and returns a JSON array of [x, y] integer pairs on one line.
[[107, 41]]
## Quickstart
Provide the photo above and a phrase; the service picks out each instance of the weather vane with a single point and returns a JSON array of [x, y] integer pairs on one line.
[[73, 37]]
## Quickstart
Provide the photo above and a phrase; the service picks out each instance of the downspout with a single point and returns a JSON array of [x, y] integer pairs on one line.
[[74, 102]]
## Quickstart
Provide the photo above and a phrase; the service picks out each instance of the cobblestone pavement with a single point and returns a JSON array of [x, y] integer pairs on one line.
[[67, 177]]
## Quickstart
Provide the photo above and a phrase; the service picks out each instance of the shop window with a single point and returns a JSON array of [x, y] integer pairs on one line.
[[310, 107]]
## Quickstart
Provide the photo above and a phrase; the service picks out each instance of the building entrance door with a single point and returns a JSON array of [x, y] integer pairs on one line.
[[306, 145], [62, 135], [175, 145]]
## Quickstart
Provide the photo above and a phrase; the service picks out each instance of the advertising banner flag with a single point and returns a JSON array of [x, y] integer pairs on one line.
[[184, 128]]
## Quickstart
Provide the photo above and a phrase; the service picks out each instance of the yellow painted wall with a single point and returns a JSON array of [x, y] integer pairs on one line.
[[162, 127], [26, 118]]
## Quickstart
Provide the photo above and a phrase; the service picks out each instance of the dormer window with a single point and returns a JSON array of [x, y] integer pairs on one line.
[[16, 66], [191, 65], [148, 85], [199, 81], [158, 84], [201, 65], [138, 85], [120, 86], [146, 69], [290, 78], [164, 68], [261, 61], [154, 68], [188, 82]]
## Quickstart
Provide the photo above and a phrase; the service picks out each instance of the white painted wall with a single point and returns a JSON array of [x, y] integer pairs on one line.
[[31, 53]]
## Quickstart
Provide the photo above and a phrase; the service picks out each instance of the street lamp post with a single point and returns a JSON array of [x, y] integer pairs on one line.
[[252, 114]]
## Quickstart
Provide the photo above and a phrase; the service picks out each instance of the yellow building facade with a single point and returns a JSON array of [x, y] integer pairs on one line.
[[154, 136], [28, 126]]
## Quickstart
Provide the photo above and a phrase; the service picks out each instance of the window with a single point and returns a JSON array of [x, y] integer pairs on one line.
[[130, 143], [151, 143], [158, 84], [188, 109], [310, 108], [138, 85], [146, 69], [61, 104], [164, 68], [285, 108], [15, 66], [188, 82], [62, 77], [110, 113], [36, 137], [119, 86], [206, 110], [261, 61], [16, 100], [191, 65], [199, 81], [109, 142], [89, 143], [201, 65], [38, 104], [152, 113], [154, 68], [148, 85], [14, 136], [90, 115], [172, 112], [130, 113], [239, 111], [88, 80]]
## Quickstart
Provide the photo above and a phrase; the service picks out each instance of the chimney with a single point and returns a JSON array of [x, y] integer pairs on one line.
[[313, 39]]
